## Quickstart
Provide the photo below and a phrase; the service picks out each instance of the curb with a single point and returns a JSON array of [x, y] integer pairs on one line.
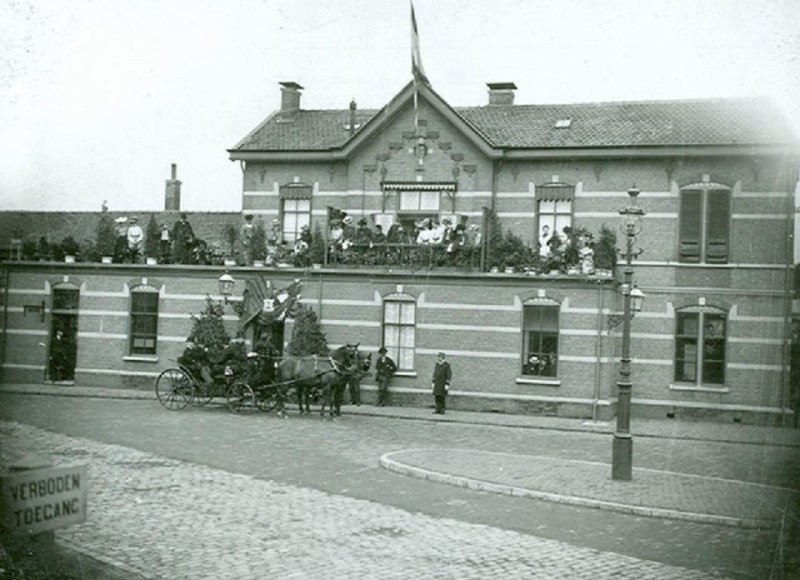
[[478, 485]]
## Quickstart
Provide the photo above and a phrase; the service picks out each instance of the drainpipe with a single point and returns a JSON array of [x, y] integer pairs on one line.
[[7, 281], [598, 349]]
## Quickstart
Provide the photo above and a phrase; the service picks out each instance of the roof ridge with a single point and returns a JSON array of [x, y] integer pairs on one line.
[[644, 102]]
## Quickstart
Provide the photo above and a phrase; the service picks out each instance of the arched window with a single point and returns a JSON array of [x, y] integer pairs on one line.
[[700, 338], [399, 329], [705, 215]]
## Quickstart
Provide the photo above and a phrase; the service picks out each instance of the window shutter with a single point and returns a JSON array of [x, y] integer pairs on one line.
[[690, 225], [719, 216]]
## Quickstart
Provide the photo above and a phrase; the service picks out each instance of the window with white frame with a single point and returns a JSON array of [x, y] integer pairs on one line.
[[399, 329], [143, 321], [554, 205], [700, 337], [296, 214], [704, 230], [540, 339]]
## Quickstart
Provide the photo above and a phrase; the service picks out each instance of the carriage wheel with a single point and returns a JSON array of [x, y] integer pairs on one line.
[[174, 389], [267, 398], [241, 398]]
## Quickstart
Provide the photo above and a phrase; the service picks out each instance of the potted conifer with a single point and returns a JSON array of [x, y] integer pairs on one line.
[[259, 244], [605, 253], [105, 237]]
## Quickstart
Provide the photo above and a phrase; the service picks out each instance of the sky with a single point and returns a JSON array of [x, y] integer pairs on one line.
[[99, 97]]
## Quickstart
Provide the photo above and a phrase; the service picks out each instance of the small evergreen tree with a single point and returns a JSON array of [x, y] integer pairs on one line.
[[105, 234], [605, 250], [231, 235], [152, 240], [494, 241], [208, 329], [316, 251], [259, 242], [307, 337]]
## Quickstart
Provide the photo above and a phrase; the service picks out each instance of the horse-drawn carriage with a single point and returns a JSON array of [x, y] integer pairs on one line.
[[265, 383]]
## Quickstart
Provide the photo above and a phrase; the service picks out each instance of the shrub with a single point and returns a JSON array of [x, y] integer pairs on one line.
[[70, 247], [307, 337], [152, 239], [231, 235], [105, 234], [259, 241], [43, 250], [605, 250], [316, 250]]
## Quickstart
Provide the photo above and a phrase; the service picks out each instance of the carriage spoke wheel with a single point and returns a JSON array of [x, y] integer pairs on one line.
[[241, 398], [174, 389], [267, 398]]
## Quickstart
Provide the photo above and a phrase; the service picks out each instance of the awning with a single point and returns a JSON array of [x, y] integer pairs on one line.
[[295, 191], [555, 192], [418, 186]]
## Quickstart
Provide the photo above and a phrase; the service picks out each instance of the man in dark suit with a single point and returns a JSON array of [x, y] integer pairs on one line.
[[442, 375], [385, 368]]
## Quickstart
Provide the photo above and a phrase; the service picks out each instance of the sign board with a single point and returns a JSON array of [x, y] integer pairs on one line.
[[39, 500]]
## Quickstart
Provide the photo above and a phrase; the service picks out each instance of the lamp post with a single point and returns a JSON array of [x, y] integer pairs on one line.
[[226, 283], [622, 449]]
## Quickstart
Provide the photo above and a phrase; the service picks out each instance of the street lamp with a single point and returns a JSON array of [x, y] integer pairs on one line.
[[622, 449], [226, 283]]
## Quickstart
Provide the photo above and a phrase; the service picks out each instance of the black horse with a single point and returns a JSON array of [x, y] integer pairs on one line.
[[317, 375], [363, 361]]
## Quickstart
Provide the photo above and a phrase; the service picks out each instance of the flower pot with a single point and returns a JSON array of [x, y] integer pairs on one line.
[[152, 261], [603, 273], [107, 259], [509, 270], [229, 262], [316, 266], [69, 259], [258, 263]]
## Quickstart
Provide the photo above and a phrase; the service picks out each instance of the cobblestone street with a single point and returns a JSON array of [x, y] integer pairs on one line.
[[164, 518], [203, 493]]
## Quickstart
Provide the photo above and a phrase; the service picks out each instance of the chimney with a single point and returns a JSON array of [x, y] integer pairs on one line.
[[172, 199], [501, 93], [352, 117], [290, 96]]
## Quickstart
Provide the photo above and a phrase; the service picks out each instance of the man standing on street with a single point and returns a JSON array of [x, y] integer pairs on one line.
[[384, 370], [442, 375]]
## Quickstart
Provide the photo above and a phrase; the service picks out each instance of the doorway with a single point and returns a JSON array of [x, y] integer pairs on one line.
[[63, 351]]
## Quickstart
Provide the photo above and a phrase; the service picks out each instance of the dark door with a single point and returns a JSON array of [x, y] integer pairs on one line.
[[63, 335]]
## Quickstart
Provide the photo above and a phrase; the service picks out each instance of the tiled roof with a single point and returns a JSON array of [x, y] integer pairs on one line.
[[733, 121], [303, 130]]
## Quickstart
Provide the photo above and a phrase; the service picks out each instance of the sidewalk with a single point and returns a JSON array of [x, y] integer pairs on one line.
[[651, 493]]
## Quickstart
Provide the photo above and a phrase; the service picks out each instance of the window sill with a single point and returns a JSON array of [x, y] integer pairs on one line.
[[538, 381], [405, 374], [140, 358], [699, 388]]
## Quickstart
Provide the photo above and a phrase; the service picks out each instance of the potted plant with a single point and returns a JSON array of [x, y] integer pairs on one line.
[[43, 250], [605, 252], [231, 236], [105, 236], [70, 249], [259, 244], [316, 251], [29, 250], [152, 241]]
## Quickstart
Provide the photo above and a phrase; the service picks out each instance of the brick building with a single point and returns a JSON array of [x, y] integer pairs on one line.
[[717, 181]]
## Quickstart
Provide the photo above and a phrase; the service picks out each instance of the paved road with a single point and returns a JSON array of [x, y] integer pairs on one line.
[[327, 470]]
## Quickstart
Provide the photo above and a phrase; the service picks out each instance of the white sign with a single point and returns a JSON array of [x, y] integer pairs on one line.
[[39, 500]]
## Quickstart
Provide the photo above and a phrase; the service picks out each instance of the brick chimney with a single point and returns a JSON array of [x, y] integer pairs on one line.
[[172, 199], [501, 93], [290, 96]]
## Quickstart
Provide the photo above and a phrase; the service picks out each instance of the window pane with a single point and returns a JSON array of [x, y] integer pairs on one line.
[[563, 207], [713, 373], [547, 207], [409, 200], [407, 313], [406, 359], [391, 312], [691, 218], [688, 324], [65, 299], [406, 336], [430, 200]]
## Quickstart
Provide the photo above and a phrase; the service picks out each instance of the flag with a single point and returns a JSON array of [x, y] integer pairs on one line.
[[416, 58]]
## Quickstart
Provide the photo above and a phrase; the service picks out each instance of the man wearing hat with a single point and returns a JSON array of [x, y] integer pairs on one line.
[[440, 384], [121, 241], [246, 240], [183, 240], [384, 370], [135, 236]]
